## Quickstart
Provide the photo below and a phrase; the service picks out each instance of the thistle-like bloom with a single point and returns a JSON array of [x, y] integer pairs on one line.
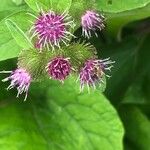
[[93, 72], [20, 79], [59, 68], [51, 29], [90, 22]]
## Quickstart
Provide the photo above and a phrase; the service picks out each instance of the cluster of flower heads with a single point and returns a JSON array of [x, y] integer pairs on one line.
[[52, 31]]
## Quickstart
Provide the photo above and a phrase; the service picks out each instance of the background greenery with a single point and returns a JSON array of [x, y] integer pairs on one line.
[[58, 117]]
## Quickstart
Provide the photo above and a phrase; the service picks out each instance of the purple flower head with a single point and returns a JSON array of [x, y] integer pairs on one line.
[[20, 79], [51, 29], [90, 22], [93, 71], [59, 68]]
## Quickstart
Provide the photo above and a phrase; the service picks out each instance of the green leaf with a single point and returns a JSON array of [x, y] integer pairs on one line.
[[8, 47], [20, 37], [7, 7], [57, 5], [58, 117], [137, 127], [61, 5], [135, 93], [119, 13], [37, 5], [18, 2], [115, 6], [116, 21], [138, 91], [9, 50]]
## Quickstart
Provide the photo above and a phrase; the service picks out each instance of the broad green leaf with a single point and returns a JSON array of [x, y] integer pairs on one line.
[[19, 36], [129, 146], [119, 13], [8, 47], [135, 93], [58, 117], [137, 127], [138, 92], [61, 5], [115, 6], [37, 5], [9, 50], [18, 2], [7, 7], [116, 21]]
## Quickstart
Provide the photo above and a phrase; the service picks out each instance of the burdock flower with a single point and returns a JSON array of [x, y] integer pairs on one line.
[[93, 72], [20, 79], [50, 29], [90, 22], [59, 68]]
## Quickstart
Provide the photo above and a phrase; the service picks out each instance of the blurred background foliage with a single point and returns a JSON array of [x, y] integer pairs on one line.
[[57, 116]]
